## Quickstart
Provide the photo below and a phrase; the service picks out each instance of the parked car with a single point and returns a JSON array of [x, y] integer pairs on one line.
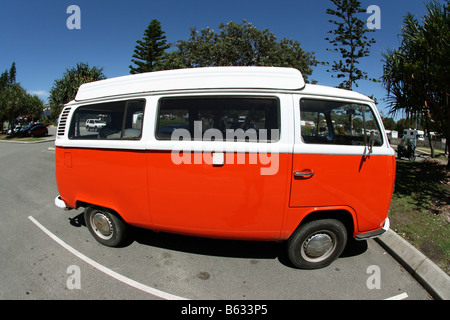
[[37, 130], [15, 130], [21, 131], [94, 124]]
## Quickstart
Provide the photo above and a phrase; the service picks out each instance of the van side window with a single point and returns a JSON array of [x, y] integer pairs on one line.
[[338, 123], [249, 119], [121, 120]]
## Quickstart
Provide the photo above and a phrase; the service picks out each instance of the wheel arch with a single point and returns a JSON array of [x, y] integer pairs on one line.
[[83, 204], [346, 215], [342, 215]]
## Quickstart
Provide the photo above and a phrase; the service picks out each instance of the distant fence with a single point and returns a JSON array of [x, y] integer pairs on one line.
[[437, 144]]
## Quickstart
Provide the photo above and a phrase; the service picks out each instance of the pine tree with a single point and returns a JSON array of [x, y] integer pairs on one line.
[[8, 78], [12, 73], [150, 50], [350, 41]]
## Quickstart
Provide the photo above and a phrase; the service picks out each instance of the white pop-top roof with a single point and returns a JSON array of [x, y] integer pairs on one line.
[[324, 91], [198, 78]]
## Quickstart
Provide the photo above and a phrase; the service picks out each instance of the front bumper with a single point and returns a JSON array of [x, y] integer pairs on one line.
[[376, 233], [60, 203]]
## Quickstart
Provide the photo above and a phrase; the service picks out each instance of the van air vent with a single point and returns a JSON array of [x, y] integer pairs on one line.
[[63, 121]]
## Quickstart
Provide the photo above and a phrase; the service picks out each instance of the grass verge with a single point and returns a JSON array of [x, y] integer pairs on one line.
[[419, 209]]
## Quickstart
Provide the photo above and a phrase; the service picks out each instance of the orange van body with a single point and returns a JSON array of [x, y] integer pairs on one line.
[[200, 202]]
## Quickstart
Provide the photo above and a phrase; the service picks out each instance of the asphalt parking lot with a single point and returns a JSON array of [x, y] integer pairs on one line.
[[49, 254]]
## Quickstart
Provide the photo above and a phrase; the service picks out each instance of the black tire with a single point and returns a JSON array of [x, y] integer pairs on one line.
[[317, 244], [105, 226]]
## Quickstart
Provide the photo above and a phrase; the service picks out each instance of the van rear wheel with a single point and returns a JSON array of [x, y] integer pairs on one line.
[[317, 244], [106, 226]]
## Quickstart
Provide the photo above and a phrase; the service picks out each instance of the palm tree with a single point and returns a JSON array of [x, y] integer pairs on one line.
[[65, 89], [417, 74]]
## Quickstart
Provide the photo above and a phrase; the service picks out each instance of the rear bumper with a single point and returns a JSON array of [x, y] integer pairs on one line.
[[375, 233], [60, 203]]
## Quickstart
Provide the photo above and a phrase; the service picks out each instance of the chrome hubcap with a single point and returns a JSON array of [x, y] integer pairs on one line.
[[102, 225], [318, 246]]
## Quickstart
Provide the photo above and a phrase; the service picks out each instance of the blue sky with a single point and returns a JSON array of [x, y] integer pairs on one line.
[[34, 34]]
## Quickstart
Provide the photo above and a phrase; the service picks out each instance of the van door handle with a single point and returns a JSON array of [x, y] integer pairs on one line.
[[304, 174]]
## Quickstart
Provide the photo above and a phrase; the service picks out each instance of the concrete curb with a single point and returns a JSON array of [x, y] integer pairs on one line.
[[45, 139], [428, 274]]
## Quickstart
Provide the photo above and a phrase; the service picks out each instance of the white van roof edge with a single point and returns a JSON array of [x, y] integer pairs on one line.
[[332, 92], [274, 78]]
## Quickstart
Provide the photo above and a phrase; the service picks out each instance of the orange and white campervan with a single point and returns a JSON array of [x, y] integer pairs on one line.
[[250, 153]]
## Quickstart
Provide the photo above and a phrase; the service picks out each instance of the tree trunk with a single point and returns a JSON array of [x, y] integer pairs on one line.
[[446, 149], [427, 128]]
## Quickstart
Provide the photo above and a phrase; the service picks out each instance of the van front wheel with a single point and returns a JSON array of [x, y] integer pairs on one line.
[[106, 226], [317, 244]]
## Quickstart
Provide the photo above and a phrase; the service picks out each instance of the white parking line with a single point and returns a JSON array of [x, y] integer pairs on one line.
[[401, 296], [109, 272]]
